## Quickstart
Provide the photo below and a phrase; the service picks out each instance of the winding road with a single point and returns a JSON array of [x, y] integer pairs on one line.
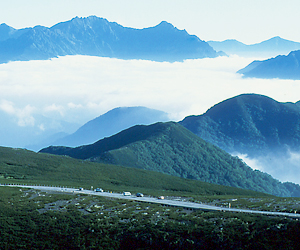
[[166, 202]]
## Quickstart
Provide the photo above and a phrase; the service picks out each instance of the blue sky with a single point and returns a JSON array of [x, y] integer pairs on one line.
[[249, 21]]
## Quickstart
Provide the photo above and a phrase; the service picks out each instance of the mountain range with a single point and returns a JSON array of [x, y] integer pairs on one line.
[[96, 36], [269, 48], [282, 67], [172, 149]]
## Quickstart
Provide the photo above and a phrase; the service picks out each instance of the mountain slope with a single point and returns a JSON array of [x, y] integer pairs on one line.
[[111, 123], [266, 131], [24, 166], [269, 48], [97, 37], [172, 149], [283, 67]]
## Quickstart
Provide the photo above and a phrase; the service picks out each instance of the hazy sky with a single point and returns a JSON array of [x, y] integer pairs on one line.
[[249, 21]]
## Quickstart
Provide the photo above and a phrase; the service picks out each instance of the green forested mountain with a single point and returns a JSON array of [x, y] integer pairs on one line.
[[257, 127], [172, 149], [249, 123]]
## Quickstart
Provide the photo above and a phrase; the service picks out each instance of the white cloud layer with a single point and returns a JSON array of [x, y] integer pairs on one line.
[[79, 88]]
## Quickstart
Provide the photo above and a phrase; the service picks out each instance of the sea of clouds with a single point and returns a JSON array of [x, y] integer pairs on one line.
[[42, 95], [80, 88]]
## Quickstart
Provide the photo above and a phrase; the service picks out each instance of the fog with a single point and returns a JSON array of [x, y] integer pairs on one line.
[[284, 166]]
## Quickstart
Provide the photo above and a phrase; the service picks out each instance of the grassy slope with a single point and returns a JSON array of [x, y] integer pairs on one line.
[[23, 166]]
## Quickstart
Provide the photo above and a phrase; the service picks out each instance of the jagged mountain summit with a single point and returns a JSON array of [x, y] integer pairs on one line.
[[170, 148], [282, 67], [111, 123], [96, 36], [257, 126], [269, 48]]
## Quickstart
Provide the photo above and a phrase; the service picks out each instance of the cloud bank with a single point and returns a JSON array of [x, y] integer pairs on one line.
[[80, 88], [45, 97]]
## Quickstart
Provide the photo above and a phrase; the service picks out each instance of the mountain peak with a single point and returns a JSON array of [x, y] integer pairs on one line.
[[165, 24]]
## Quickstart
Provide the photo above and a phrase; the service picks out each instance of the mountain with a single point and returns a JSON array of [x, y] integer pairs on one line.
[[257, 126], [172, 149], [249, 123], [269, 48], [111, 123], [96, 36], [282, 67]]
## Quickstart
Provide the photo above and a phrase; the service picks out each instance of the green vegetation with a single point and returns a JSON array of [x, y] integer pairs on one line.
[[26, 167], [170, 148], [30, 219], [256, 125]]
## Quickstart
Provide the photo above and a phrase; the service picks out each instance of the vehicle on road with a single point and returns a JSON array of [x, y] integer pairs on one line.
[[139, 195], [161, 197], [80, 189], [126, 193], [98, 190]]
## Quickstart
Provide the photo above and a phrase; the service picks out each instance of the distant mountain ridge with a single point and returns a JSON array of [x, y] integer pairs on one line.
[[269, 48], [98, 37], [172, 149], [282, 67], [111, 123]]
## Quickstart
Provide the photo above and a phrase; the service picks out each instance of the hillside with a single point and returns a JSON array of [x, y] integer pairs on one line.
[[172, 149], [282, 67], [111, 123], [269, 48], [257, 126], [24, 166], [98, 37]]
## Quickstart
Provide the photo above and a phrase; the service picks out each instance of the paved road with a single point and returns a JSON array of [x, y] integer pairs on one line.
[[174, 203]]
